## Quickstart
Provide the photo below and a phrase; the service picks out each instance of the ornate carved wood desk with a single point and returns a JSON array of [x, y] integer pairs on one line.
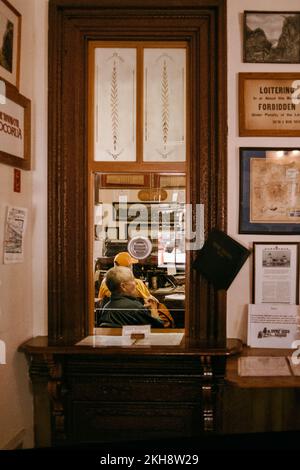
[[84, 394]]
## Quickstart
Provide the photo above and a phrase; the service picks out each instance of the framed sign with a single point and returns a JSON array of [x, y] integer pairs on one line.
[[273, 326], [272, 37], [275, 272], [269, 190], [269, 104], [10, 43], [15, 129]]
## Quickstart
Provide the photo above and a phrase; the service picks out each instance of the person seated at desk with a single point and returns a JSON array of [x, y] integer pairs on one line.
[[124, 259], [142, 292], [124, 308]]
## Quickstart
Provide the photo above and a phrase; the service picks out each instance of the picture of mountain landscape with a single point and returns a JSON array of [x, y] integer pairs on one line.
[[272, 37]]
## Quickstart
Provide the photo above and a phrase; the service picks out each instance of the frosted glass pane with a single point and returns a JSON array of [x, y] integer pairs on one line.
[[164, 105], [115, 105]]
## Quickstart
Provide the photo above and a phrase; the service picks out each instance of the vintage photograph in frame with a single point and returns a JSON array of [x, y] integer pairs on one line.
[[10, 43], [15, 129], [269, 104], [272, 37], [269, 190], [275, 272]]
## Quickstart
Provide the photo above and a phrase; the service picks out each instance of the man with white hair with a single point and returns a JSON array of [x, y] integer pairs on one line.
[[123, 307]]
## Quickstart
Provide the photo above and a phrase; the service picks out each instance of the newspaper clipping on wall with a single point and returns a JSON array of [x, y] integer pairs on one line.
[[276, 273], [15, 228]]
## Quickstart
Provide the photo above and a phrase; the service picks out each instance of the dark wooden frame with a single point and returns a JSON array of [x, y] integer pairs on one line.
[[271, 132], [254, 267], [8, 158], [245, 225], [16, 43], [244, 36], [72, 23]]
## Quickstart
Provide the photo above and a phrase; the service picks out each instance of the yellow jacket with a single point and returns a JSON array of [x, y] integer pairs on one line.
[[142, 290]]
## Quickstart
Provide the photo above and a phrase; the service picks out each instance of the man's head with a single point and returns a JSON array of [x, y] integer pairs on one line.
[[124, 259], [121, 280]]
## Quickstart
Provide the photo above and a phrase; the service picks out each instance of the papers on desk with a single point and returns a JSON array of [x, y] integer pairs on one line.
[[154, 339], [161, 339], [175, 297], [263, 366], [105, 340]]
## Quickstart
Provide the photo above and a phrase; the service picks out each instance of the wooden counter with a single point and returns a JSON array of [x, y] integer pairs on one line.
[[233, 378], [85, 394], [260, 404]]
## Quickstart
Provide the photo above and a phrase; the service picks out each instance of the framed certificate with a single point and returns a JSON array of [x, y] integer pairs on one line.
[[275, 272]]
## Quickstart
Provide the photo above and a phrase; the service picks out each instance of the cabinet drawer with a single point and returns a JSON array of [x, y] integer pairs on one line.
[[131, 389]]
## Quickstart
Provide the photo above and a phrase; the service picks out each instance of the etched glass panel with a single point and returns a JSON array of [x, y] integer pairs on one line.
[[115, 105], [164, 105]]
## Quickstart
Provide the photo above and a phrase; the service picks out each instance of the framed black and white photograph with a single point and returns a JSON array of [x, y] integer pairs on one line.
[[272, 37], [275, 272], [10, 43], [269, 190]]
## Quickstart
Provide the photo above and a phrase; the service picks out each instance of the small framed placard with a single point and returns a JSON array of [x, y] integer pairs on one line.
[[273, 325], [269, 104], [15, 128]]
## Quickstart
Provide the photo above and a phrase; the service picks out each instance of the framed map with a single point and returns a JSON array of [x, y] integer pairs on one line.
[[269, 190]]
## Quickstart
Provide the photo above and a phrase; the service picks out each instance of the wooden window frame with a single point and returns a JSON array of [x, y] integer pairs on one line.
[[72, 25]]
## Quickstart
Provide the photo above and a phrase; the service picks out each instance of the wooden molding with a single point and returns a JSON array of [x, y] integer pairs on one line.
[[73, 23]]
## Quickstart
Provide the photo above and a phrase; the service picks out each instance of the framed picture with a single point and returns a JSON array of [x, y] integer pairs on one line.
[[275, 272], [15, 129], [269, 104], [272, 37], [269, 190], [10, 43]]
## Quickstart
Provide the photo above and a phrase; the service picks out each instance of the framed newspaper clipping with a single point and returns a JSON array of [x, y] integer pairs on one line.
[[275, 272], [269, 190], [269, 104]]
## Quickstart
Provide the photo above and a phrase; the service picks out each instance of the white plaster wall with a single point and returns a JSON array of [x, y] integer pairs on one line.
[[239, 293], [23, 304]]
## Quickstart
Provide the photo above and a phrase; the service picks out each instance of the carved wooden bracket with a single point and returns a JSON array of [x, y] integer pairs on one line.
[[56, 392]]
